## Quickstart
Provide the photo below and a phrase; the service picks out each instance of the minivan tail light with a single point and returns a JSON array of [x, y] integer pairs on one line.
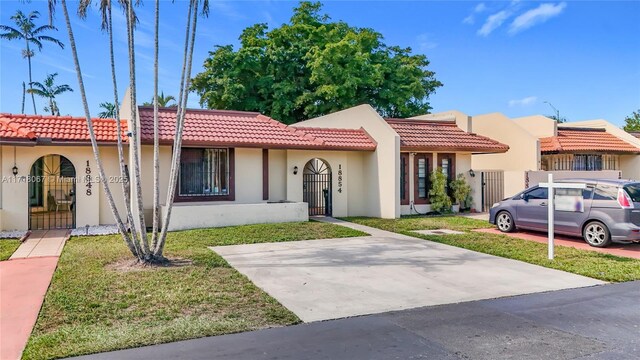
[[624, 200]]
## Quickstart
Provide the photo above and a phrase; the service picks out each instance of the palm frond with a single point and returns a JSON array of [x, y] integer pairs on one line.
[[50, 39]]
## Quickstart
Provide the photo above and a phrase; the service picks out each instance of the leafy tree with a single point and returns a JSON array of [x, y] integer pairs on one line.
[[27, 31], [108, 110], [440, 200], [49, 91], [163, 101], [312, 66], [460, 189], [558, 118], [632, 122]]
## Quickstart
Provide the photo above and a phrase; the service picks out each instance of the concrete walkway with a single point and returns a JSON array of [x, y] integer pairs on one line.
[[42, 243], [624, 250], [335, 278], [24, 280]]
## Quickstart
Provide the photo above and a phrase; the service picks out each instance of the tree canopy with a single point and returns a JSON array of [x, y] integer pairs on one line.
[[312, 66], [632, 122]]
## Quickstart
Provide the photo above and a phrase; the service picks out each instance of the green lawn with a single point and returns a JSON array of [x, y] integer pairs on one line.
[[7, 248], [90, 308], [588, 263]]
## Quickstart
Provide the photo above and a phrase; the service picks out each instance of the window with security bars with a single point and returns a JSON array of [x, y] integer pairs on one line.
[[204, 172]]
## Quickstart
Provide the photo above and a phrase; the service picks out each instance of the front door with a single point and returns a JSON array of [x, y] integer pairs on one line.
[[52, 184], [316, 187]]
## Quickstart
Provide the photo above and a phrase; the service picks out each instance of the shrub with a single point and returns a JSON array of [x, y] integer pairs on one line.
[[440, 201], [460, 190]]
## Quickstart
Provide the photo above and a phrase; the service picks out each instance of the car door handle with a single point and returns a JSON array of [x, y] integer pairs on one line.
[[543, 204]]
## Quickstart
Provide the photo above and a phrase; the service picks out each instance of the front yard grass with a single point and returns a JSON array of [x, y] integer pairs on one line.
[[7, 248], [588, 263], [92, 308]]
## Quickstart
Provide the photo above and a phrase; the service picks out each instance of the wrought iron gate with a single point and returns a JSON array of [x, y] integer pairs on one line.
[[316, 187], [52, 202], [492, 188]]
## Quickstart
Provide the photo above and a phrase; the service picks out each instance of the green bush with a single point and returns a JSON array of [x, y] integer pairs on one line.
[[440, 201], [460, 190]]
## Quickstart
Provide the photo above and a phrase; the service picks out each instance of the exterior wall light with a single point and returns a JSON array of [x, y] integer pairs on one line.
[[472, 173], [15, 170], [295, 170]]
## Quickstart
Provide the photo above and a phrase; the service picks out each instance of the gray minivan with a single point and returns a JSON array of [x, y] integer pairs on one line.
[[611, 212]]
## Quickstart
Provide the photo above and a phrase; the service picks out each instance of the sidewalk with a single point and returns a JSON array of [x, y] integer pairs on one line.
[[24, 280]]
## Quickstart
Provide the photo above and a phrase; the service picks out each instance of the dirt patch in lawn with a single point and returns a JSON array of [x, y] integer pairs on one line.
[[129, 265]]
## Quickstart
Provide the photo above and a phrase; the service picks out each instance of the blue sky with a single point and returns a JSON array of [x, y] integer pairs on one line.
[[492, 56]]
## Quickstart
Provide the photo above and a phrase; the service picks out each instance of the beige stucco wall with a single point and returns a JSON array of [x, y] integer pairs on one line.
[[277, 175], [90, 209], [538, 125], [381, 168], [523, 154]]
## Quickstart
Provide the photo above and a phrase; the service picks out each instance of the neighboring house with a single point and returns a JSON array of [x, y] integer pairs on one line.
[[538, 144], [236, 167]]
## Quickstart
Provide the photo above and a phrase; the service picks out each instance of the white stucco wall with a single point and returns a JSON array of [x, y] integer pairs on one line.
[[277, 175], [187, 215], [381, 168]]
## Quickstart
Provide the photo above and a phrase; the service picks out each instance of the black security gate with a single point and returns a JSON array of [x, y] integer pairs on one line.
[[316, 186], [52, 202], [492, 188]]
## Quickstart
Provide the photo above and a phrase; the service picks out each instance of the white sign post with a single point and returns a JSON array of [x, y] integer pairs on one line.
[[551, 205]]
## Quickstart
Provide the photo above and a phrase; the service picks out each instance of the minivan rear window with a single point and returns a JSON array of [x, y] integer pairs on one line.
[[634, 191]]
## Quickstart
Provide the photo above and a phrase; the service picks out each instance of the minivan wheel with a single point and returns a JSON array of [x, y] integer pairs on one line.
[[596, 234], [504, 222]]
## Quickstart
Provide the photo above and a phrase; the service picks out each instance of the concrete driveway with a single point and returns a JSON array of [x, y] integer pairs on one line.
[[335, 278]]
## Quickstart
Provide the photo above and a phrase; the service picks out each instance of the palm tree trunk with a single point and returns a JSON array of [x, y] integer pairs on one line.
[[52, 107], [126, 191], [141, 227], [156, 148], [180, 113], [92, 135], [24, 95], [33, 97]]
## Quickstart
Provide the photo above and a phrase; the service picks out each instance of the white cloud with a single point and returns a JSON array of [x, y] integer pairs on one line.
[[493, 22], [480, 8], [425, 42], [535, 16], [470, 20], [529, 100]]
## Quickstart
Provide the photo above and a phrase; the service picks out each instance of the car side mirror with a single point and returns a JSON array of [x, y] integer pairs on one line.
[[525, 197]]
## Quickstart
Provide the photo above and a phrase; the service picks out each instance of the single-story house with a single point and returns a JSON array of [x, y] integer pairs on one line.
[[236, 167], [538, 145]]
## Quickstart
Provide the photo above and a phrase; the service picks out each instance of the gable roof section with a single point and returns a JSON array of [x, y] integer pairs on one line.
[[570, 139], [247, 129], [423, 135], [34, 128]]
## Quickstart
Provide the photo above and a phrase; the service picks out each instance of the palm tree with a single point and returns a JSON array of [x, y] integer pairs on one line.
[[26, 30], [49, 91], [137, 240], [109, 110], [163, 101]]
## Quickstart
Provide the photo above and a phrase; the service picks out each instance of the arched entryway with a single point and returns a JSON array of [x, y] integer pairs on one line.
[[52, 201], [316, 186]]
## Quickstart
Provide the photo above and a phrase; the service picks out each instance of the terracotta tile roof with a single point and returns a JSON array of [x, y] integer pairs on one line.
[[352, 138], [585, 139], [424, 135], [246, 129], [19, 127]]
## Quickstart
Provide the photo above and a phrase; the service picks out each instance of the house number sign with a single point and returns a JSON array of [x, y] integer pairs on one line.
[[87, 178], [340, 178]]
